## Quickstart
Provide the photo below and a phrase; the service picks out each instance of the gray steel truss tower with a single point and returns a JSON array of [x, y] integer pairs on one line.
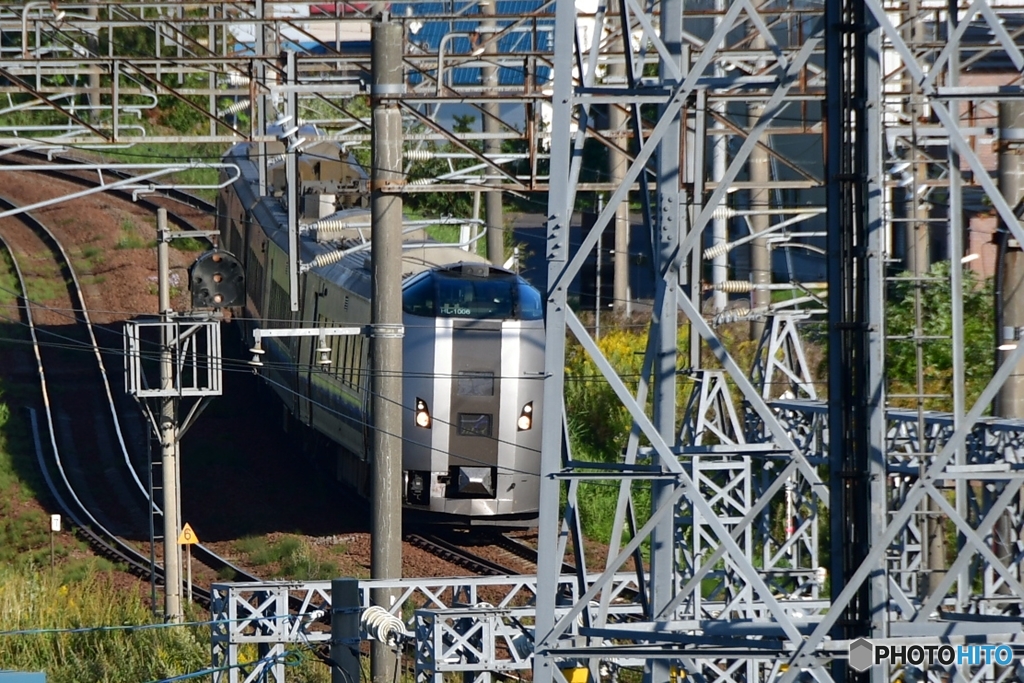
[[710, 477], [779, 528]]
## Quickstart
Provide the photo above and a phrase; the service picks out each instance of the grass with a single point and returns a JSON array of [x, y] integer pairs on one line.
[[89, 258], [24, 537], [48, 606], [82, 593], [41, 289], [597, 500], [43, 280], [227, 574], [189, 244], [34, 601], [144, 153], [452, 234], [130, 238], [154, 290], [79, 592], [24, 530], [8, 281], [292, 555], [93, 255], [445, 233]]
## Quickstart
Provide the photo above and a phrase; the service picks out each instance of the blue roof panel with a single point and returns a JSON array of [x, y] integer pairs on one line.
[[526, 37]]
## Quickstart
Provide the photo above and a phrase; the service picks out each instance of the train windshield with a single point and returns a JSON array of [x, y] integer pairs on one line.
[[440, 295]]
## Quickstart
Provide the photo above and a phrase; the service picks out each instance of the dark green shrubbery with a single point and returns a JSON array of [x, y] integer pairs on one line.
[[937, 354]]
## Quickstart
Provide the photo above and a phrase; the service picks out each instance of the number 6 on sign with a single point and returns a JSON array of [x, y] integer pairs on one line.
[[187, 536]]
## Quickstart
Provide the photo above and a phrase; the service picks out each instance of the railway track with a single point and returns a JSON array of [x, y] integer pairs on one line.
[[456, 554], [183, 209], [88, 470], [523, 551]]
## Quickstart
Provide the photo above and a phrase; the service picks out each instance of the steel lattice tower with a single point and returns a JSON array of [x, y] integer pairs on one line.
[[874, 81], [764, 520]]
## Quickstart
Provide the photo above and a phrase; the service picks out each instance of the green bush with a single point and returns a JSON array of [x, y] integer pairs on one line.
[[937, 350], [597, 419], [189, 244], [599, 424]]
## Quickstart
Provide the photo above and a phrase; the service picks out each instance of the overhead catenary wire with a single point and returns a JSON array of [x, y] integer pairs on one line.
[[97, 532], [242, 366], [540, 204], [114, 628], [725, 247], [79, 511], [233, 365], [239, 365], [289, 321]]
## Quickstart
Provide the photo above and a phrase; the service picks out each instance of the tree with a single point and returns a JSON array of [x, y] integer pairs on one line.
[[936, 364]]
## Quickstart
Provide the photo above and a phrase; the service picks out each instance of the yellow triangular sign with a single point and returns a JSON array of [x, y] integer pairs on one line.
[[187, 537]]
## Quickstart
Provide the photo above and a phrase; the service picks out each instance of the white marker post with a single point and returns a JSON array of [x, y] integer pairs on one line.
[[54, 528], [188, 538]]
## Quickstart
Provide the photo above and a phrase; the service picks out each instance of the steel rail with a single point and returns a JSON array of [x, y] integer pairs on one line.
[[524, 551], [132, 557], [203, 554], [450, 552], [96, 534]]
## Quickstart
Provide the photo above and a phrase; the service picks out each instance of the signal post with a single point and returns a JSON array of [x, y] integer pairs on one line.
[[190, 366], [168, 431]]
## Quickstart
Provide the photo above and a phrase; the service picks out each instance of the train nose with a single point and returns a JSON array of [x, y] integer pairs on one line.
[[475, 481]]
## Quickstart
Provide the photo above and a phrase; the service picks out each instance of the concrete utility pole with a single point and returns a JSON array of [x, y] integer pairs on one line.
[[617, 163], [917, 230], [168, 430], [1011, 183], [1010, 402], [719, 162], [386, 319], [492, 146], [760, 256]]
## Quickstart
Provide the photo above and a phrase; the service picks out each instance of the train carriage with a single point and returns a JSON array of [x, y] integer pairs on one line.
[[473, 349]]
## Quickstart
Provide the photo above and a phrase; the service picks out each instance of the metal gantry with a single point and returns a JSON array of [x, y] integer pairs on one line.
[[98, 74], [765, 519], [465, 624]]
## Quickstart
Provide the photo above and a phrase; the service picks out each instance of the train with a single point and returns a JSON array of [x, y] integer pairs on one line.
[[473, 348]]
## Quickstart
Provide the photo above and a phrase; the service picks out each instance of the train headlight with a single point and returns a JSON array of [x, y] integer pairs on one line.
[[525, 420], [422, 414]]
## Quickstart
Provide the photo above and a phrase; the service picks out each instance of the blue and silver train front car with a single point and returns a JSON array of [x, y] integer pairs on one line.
[[474, 361]]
